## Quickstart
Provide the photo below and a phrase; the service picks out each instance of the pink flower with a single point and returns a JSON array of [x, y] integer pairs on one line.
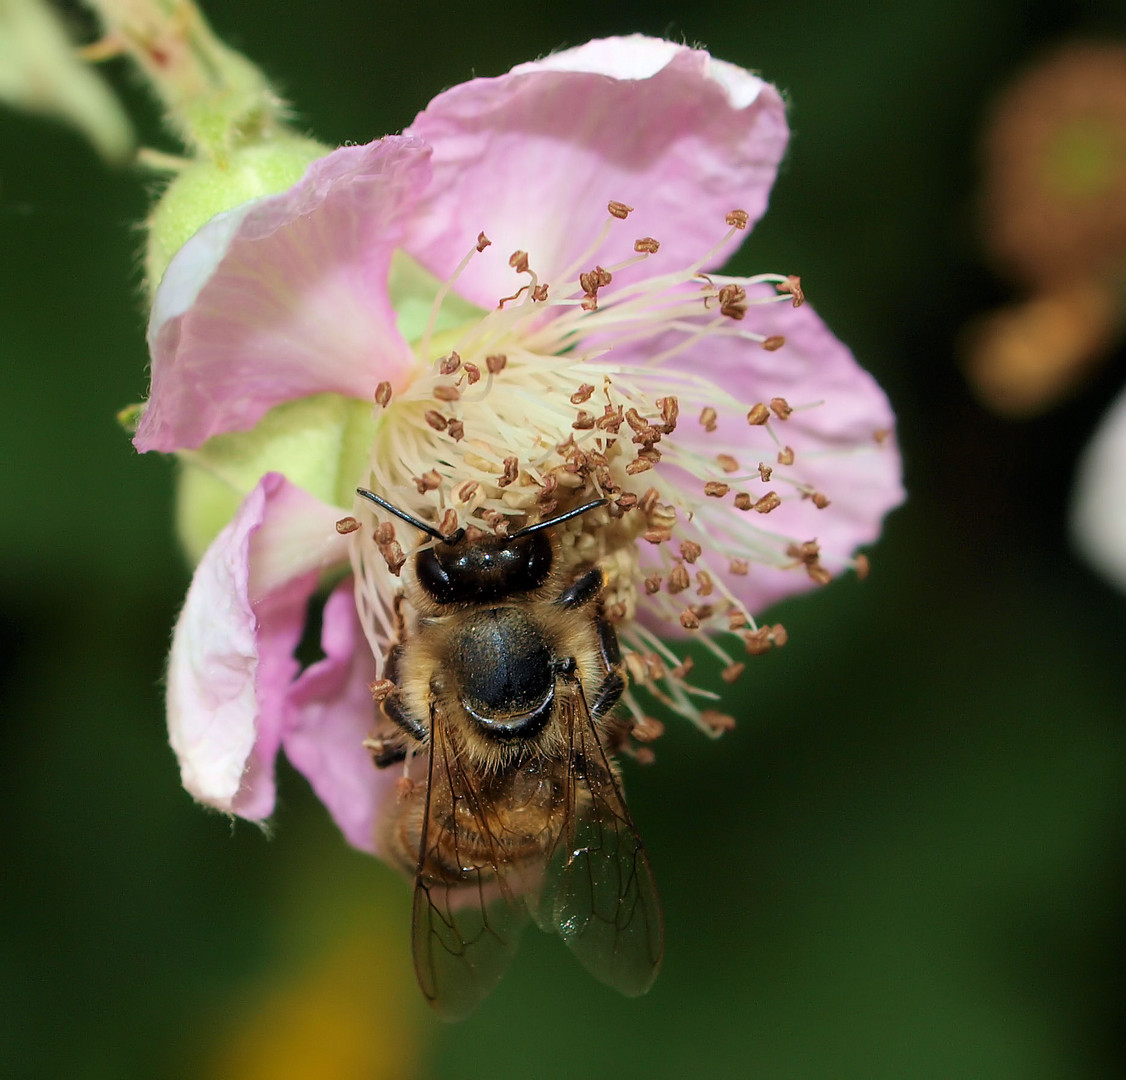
[[380, 324]]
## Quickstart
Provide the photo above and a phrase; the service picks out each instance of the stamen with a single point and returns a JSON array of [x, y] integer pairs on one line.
[[444, 291]]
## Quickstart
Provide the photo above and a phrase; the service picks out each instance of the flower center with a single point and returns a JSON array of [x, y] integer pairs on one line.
[[573, 389]]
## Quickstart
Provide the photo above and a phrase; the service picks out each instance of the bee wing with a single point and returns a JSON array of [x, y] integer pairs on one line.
[[465, 926], [599, 894]]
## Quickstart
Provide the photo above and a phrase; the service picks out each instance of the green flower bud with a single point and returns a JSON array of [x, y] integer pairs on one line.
[[207, 187]]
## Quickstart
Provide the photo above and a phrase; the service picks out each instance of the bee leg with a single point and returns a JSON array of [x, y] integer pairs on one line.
[[614, 684], [608, 646], [395, 711], [607, 695], [391, 749], [385, 752], [582, 591]]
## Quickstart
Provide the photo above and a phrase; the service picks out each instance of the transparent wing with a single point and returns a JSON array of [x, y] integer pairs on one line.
[[466, 920], [599, 894]]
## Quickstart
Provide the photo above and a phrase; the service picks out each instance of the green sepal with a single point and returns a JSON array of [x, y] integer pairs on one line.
[[319, 443]]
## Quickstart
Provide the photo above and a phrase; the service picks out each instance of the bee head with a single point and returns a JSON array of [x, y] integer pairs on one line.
[[480, 571], [458, 570]]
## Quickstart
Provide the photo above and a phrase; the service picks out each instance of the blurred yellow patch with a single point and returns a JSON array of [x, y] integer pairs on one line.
[[351, 1014]]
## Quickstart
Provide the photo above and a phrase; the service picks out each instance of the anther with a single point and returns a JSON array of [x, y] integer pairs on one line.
[[582, 395], [689, 620], [768, 502], [383, 533], [518, 260], [708, 418], [347, 525], [774, 343], [655, 667], [781, 408], [779, 635], [738, 219], [436, 420], [704, 585], [786, 455], [690, 551], [765, 472], [456, 430], [881, 435], [739, 567], [465, 491], [448, 525], [732, 672], [649, 500], [743, 501], [496, 363], [862, 566], [727, 463], [670, 410], [449, 364], [717, 722], [646, 245], [657, 535], [472, 373], [429, 481], [446, 393], [678, 580], [393, 554], [647, 728], [383, 394], [716, 489], [792, 287], [819, 500], [736, 619], [636, 421], [539, 293], [611, 419], [626, 501], [731, 295], [511, 471], [619, 209], [758, 415], [758, 641], [638, 465], [482, 241], [380, 689], [584, 421]]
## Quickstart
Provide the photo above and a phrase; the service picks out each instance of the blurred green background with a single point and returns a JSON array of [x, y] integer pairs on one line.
[[905, 862]]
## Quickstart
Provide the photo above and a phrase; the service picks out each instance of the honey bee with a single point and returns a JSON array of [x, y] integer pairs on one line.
[[501, 698]]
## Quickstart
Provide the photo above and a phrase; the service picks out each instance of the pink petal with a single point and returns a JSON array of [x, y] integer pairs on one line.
[[1098, 517], [283, 298], [841, 432], [232, 649], [533, 157], [332, 714]]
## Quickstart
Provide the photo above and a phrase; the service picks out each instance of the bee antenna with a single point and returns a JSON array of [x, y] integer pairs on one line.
[[559, 518], [402, 515]]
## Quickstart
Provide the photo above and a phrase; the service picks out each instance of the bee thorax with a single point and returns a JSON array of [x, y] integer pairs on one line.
[[504, 672]]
